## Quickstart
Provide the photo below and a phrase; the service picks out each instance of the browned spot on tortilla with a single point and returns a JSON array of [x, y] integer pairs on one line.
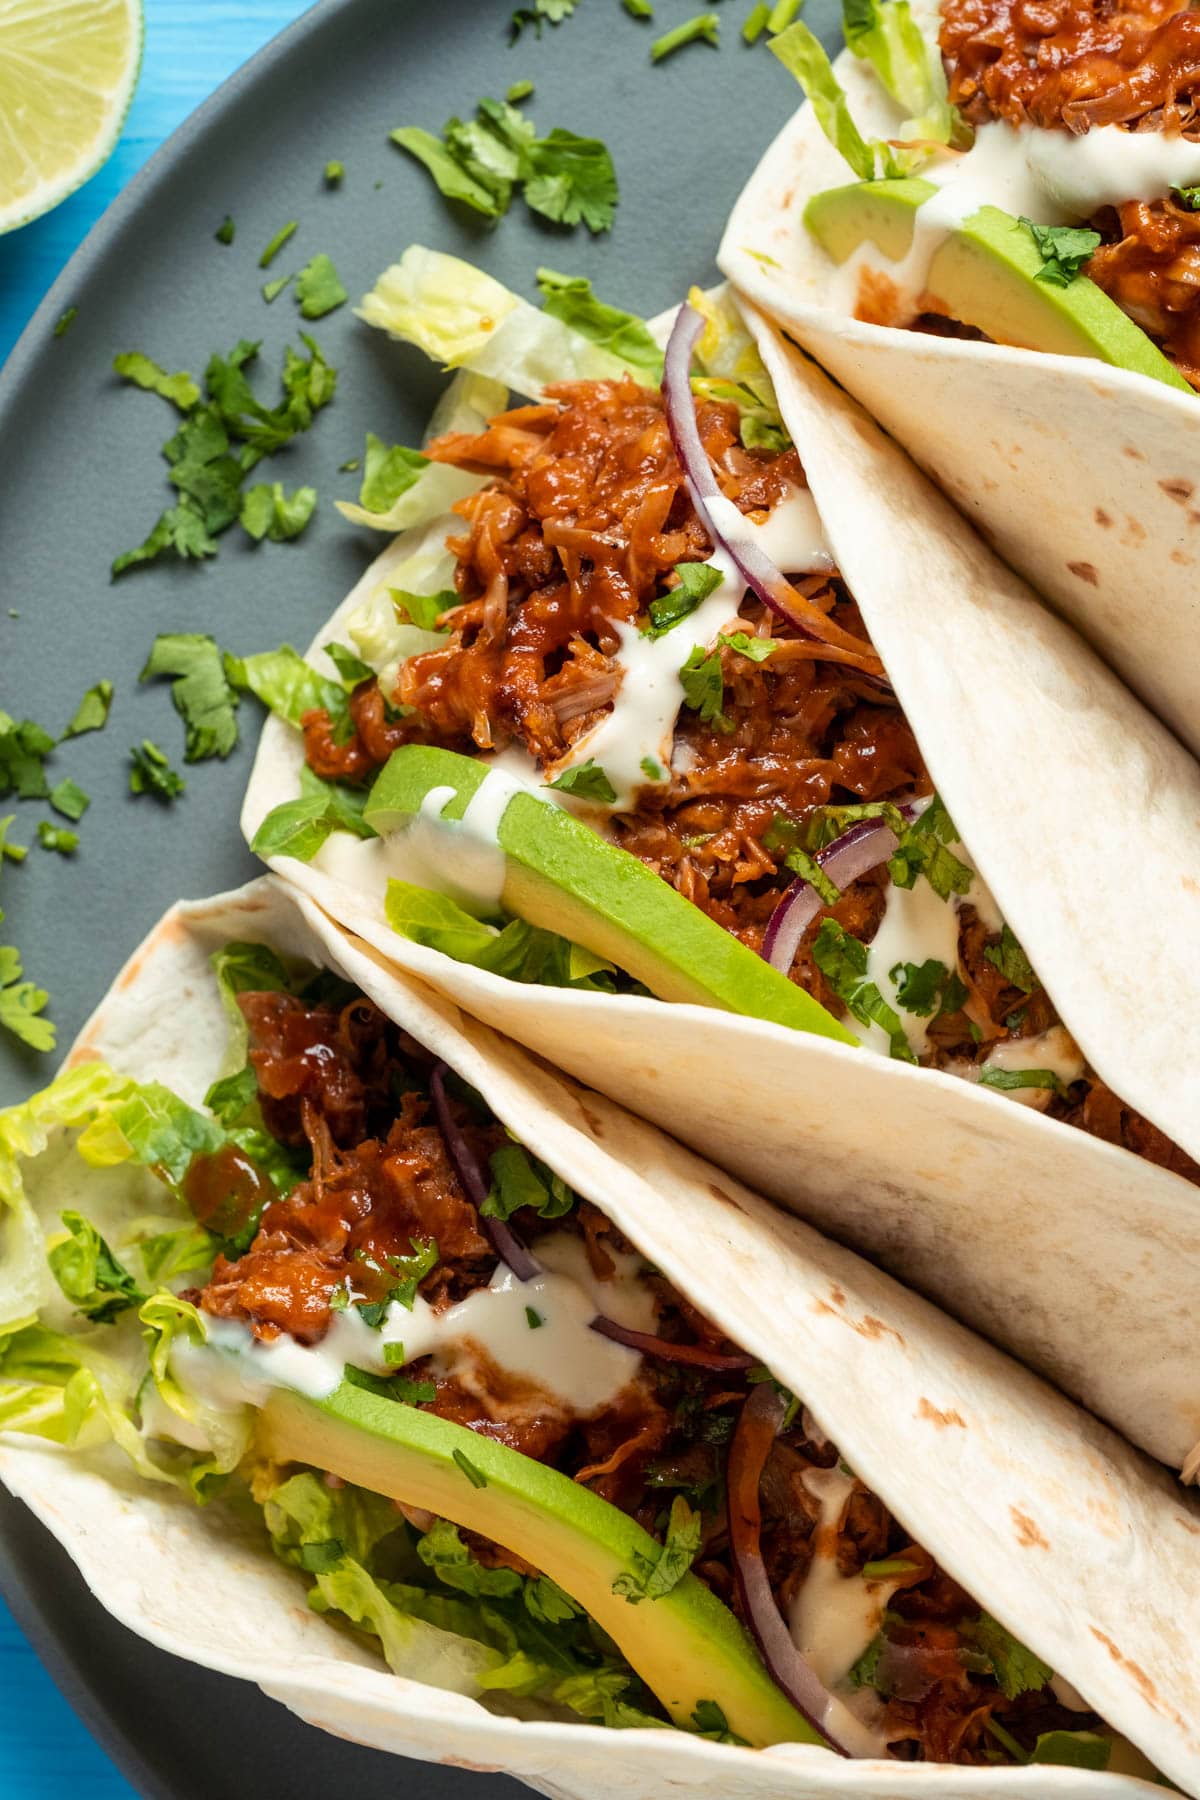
[[1139, 1674], [1183, 559], [1178, 489], [927, 1410], [1134, 531], [718, 1193], [591, 1120], [824, 1306], [837, 1295], [1028, 1533], [1190, 883], [870, 1327], [1193, 516], [1189, 1525], [83, 1053], [1102, 518], [1132, 450], [1085, 571]]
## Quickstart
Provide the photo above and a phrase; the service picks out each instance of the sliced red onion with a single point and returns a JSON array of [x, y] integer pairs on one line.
[[757, 1428], [696, 1356], [859, 850], [753, 564], [502, 1237]]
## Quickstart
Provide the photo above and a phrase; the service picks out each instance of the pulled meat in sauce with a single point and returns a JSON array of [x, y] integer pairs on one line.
[[582, 523], [325, 1076], [1075, 64]]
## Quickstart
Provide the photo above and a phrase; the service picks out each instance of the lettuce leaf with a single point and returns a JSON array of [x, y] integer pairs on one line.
[[803, 55], [885, 34], [518, 951]]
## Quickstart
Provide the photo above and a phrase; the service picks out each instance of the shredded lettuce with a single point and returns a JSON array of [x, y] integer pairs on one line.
[[285, 683], [733, 370], [518, 951], [803, 55], [464, 318], [885, 34], [572, 299]]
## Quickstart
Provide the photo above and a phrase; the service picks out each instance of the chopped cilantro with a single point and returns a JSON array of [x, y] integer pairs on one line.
[[651, 770], [704, 686], [480, 162], [475, 1476], [1017, 1670], [225, 231], [919, 985], [587, 781], [655, 1575], [318, 287], [782, 14], [22, 1002], [1012, 962], [57, 837], [404, 1275], [334, 174], [276, 244], [638, 9], [697, 580], [269, 511], [203, 697], [756, 649], [542, 12], [709, 1721], [1187, 197], [865, 1672], [519, 90], [271, 290], [842, 960], [181, 390], [14, 852], [393, 1355], [92, 712], [351, 464], [705, 28], [69, 800], [572, 299], [1063, 248], [152, 773], [1007, 1080], [423, 610], [923, 850], [24, 748], [65, 321], [888, 1566], [533, 1318], [801, 863], [756, 22]]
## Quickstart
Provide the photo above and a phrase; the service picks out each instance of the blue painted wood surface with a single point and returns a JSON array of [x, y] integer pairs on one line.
[[191, 46]]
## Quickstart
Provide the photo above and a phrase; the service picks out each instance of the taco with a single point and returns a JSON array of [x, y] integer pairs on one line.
[[746, 818], [576, 1437], [987, 215]]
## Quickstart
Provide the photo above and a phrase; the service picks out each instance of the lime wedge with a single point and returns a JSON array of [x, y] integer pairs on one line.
[[68, 69]]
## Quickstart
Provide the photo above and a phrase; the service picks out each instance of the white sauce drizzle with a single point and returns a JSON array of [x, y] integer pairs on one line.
[[791, 535], [1054, 1049], [917, 924], [562, 1358], [1049, 175]]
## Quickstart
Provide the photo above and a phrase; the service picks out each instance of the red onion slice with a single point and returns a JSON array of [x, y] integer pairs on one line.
[[696, 1356], [859, 850], [753, 564], [757, 1428], [502, 1237]]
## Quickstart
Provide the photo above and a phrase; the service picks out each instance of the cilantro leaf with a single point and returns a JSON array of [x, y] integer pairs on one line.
[[704, 28], [587, 781], [388, 472], [14, 852], [475, 1476], [865, 1672], [704, 686], [518, 1181], [404, 1275], [24, 748], [572, 179], [923, 850], [57, 837], [69, 800], [96, 1284], [21, 1002], [424, 610], [697, 580], [1012, 962], [318, 287], [453, 179], [571, 298], [283, 681], [756, 649], [708, 1719], [201, 693], [1017, 1670], [299, 827], [801, 863], [268, 511], [842, 960], [65, 321], [271, 290], [919, 985], [92, 712], [652, 770], [1063, 248], [181, 390], [180, 529], [542, 12], [276, 243], [656, 1574], [334, 173], [1008, 1080], [152, 773], [225, 231], [642, 9]]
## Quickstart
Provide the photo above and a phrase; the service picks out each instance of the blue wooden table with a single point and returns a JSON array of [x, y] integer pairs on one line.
[[191, 46]]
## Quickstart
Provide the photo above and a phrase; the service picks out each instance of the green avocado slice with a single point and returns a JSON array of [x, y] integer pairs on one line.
[[562, 875], [686, 1645], [984, 273]]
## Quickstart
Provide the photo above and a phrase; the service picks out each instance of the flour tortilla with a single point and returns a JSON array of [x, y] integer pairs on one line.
[[1085, 478], [1078, 1544], [1084, 816]]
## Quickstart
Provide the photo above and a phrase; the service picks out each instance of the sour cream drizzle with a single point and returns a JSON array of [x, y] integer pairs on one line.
[[561, 1359]]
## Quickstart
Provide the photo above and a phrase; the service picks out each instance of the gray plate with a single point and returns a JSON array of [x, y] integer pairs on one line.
[[82, 479]]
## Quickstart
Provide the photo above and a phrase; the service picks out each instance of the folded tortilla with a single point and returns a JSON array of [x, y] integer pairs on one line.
[[1083, 814], [1083, 477], [1050, 1522]]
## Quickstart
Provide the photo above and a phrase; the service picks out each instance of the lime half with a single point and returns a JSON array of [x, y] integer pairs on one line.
[[68, 69]]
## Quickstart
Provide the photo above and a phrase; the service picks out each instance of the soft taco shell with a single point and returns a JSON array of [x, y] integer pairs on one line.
[[1083, 814], [1071, 1538]]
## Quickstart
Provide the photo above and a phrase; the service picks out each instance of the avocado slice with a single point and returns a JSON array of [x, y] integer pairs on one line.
[[562, 875], [686, 1646], [984, 273]]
